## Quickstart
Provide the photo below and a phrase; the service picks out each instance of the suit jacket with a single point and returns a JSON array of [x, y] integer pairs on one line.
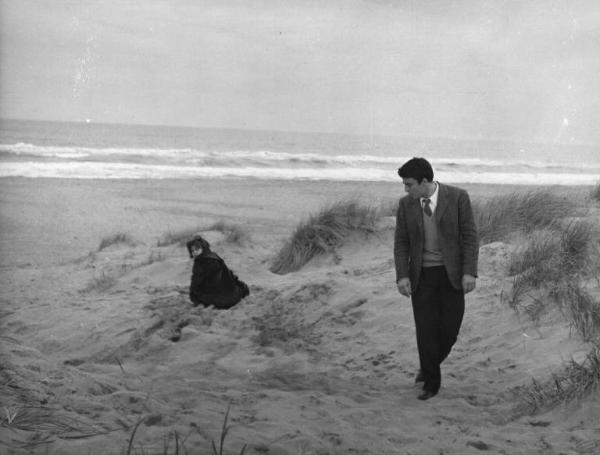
[[457, 233]]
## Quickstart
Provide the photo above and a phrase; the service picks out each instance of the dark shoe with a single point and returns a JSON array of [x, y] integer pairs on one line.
[[420, 377], [427, 394]]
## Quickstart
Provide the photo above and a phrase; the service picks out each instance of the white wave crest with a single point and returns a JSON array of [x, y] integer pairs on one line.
[[89, 170], [267, 158]]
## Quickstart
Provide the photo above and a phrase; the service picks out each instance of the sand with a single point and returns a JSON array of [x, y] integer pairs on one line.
[[320, 361]]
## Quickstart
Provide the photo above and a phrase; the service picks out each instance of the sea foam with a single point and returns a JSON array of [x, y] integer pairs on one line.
[[104, 170]]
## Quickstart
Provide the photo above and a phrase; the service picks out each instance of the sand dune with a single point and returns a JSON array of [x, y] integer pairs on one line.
[[319, 361]]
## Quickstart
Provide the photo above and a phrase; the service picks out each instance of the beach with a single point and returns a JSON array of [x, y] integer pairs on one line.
[[91, 367]]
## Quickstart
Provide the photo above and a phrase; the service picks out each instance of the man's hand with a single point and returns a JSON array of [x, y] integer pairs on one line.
[[404, 286], [468, 283]]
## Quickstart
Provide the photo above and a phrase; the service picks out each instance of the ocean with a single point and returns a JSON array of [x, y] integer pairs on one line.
[[36, 149]]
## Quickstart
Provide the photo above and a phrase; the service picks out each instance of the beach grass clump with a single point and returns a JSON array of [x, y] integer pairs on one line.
[[25, 409], [46, 425], [224, 431], [549, 268], [179, 237], [552, 256], [554, 269], [177, 447], [575, 246], [582, 310], [233, 233], [179, 443], [388, 207], [575, 381], [101, 282], [595, 192], [500, 216], [324, 232], [115, 239], [154, 256], [538, 255]]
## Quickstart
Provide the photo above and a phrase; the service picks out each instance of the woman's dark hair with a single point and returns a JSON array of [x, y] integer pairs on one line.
[[418, 169], [197, 241]]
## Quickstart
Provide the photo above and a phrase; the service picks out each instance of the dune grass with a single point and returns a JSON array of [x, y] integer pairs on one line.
[[551, 255], [554, 269], [114, 239], [154, 256], [549, 268], [25, 408], [224, 431], [101, 282], [324, 232], [179, 237], [179, 446], [233, 234], [573, 382], [540, 250], [595, 192], [583, 311], [500, 216]]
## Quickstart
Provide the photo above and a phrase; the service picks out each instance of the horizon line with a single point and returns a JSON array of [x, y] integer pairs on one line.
[[305, 132]]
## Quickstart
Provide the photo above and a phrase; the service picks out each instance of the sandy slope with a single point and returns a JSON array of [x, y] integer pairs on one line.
[[320, 361]]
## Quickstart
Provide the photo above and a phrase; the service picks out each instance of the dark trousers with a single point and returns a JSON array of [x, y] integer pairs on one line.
[[438, 309]]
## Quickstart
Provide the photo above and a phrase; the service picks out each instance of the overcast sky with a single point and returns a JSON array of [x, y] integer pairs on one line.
[[502, 69]]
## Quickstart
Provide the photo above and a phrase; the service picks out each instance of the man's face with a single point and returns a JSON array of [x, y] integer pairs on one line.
[[414, 188]]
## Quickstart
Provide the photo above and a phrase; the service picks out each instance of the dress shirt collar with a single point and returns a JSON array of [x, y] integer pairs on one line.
[[433, 198]]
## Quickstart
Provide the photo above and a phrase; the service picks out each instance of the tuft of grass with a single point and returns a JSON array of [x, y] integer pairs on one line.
[[115, 239], [575, 242], [224, 431], [178, 237], [575, 381], [522, 299], [498, 217], [552, 262], [101, 283], [582, 310], [323, 233], [595, 192], [132, 436], [47, 423], [540, 250], [154, 256], [179, 442], [233, 233], [388, 207]]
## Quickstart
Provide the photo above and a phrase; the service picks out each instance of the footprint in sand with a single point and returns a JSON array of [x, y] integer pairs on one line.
[[480, 445], [333, 438]]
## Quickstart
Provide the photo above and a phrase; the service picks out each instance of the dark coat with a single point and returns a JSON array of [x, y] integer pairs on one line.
[[214, 284], [458, 236]]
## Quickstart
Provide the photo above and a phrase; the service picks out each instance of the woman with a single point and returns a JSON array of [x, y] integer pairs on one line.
[[212, 282]]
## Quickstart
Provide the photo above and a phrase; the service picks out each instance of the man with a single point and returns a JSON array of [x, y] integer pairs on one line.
[[436, 250]]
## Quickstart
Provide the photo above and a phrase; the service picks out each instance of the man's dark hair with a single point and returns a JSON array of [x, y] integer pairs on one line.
[[418, 169]]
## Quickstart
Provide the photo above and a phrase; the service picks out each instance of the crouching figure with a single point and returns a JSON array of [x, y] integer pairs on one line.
[[213, 283]]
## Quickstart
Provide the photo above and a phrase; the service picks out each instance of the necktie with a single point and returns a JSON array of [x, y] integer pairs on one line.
[[426, 207]]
